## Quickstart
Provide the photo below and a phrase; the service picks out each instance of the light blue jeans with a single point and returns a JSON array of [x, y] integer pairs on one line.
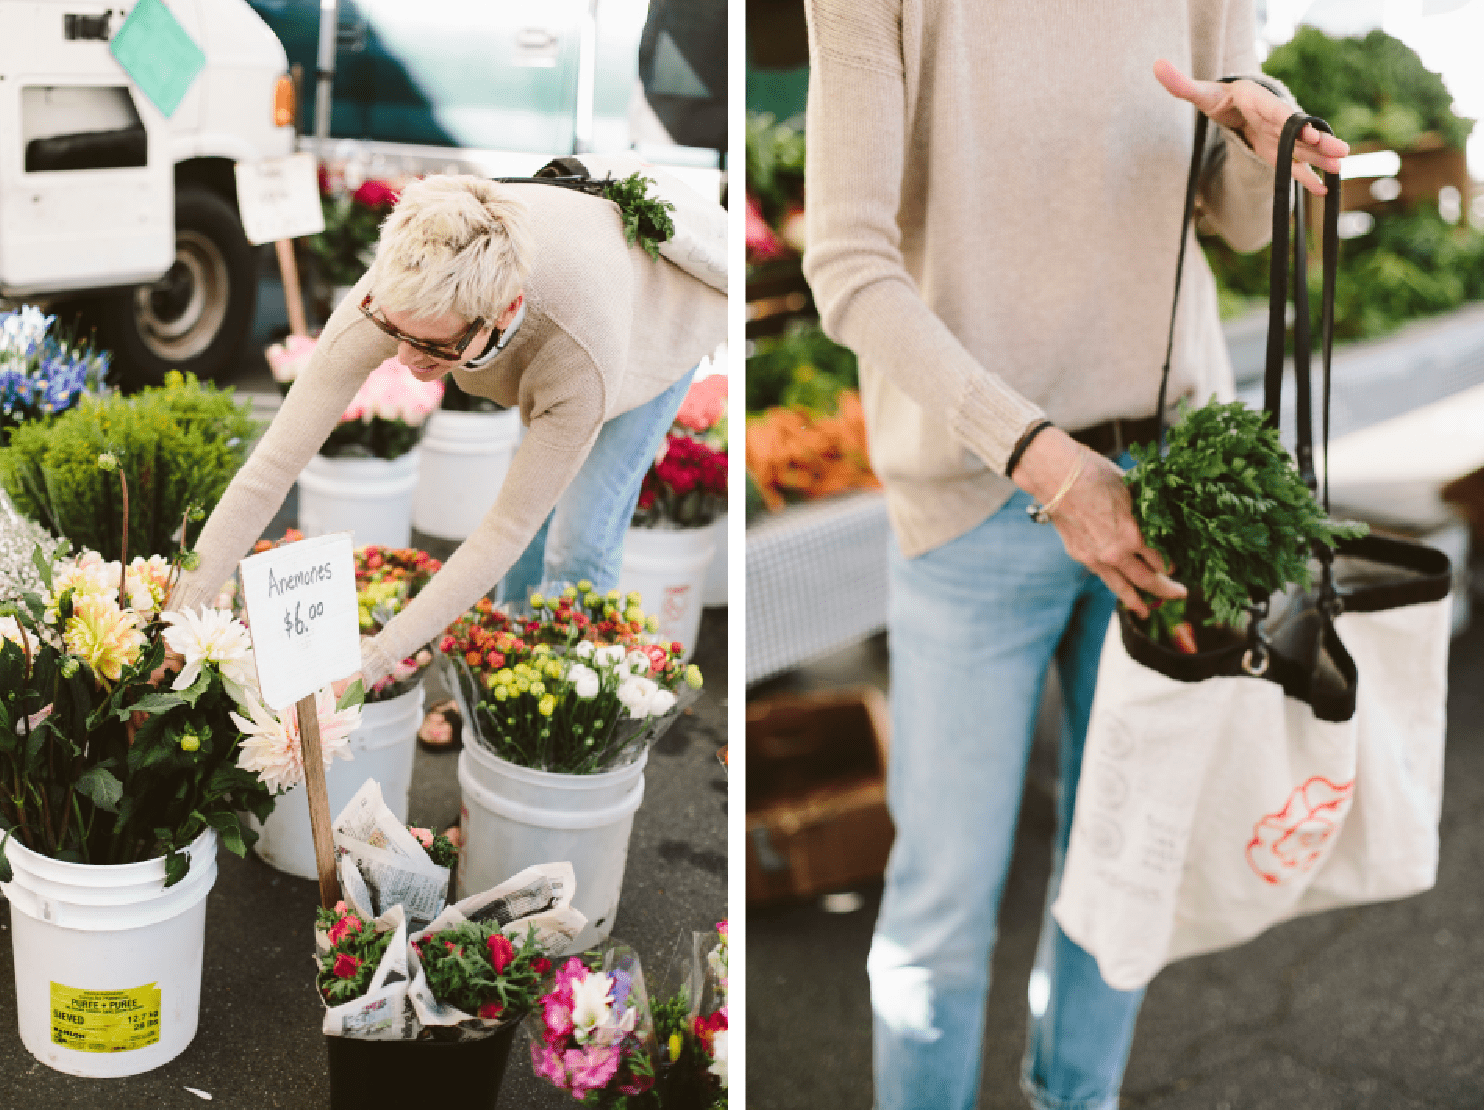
[[974, 626], [593, 514]]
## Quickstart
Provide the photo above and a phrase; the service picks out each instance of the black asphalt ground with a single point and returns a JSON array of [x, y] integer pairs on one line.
[[1376, 1008], [258, 1044]]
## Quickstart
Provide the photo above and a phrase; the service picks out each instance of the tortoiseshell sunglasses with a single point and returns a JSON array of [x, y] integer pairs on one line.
[[448, 352]]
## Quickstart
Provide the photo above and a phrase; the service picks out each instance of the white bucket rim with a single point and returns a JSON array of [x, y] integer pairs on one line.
[[102, 875], [556, 780], [542, 818], [406, 704], [65, 905], [329, 466]]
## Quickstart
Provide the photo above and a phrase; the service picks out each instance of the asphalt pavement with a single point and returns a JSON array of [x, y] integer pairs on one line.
[[1372, 1008]]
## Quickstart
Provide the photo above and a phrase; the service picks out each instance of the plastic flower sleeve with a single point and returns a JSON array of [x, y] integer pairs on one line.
[[593, 1033]]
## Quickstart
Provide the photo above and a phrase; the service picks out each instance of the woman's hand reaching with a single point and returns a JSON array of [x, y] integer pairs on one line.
[[1258, 116]]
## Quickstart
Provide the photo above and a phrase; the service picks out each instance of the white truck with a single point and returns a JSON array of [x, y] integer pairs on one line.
[[105, 198]]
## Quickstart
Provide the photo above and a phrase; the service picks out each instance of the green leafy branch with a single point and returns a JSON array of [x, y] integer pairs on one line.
[[646, 219]]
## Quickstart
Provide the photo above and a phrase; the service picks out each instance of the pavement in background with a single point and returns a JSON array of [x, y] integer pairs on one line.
[[1375, 1008]]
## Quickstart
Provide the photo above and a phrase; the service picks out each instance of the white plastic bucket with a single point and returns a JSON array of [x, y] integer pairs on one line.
[[465, 457], [667, 566], [107, 959], [371, 498], [714, 590], [383, 746], [513, 817]]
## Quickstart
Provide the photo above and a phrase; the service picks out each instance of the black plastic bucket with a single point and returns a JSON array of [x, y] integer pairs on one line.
[[466, 1074]]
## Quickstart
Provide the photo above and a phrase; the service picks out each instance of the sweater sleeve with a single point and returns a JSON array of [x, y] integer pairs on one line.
[[348, 350], [1237, 186], [856, 156], [566, 418]]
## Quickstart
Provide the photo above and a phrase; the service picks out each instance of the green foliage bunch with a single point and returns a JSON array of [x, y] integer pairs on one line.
[[475, 968], [775, 164], [1227, 508], [646, 219], [1369, 89], [802, 368], [178, 444]]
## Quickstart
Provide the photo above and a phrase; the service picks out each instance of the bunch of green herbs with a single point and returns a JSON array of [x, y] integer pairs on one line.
[[646, 219], [1227, 508]]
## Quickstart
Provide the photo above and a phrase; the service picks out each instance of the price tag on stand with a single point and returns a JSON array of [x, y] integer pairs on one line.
[[301, 603]]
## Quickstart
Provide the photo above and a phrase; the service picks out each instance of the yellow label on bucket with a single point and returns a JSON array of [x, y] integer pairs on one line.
[[105, 1021]]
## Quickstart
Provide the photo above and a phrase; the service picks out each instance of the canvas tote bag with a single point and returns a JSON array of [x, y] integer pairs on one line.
[[1298, 767]]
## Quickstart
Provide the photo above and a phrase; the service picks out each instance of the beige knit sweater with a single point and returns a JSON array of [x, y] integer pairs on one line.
[[606, 329], [994, 204]]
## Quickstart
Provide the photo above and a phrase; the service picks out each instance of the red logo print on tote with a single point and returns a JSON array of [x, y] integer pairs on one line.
[[1288, 842]]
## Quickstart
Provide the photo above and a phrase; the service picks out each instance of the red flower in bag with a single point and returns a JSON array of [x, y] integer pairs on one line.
[[1289, 842]]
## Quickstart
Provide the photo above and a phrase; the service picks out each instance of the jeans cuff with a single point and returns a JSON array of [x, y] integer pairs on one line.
[[1041, 1099]]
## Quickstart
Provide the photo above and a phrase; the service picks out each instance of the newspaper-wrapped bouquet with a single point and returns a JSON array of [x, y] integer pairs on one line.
[[395, 962], [577, 684]]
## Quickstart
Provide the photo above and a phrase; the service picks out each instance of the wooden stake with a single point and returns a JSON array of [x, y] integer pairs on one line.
[[298, 325], [318, 796]]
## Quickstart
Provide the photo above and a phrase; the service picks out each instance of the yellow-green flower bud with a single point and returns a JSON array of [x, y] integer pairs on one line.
[[676, 1044], [190, 742], [570, 592], [538, 602], [491, 681], [541, 649], [538, 688], [652, 623], [633, 613], [547, 705], [634, 599], [585, 586], [553, 669], [108, 461], [501, 693], [614, 595], [522, 684], [505, 675], [693, 676]]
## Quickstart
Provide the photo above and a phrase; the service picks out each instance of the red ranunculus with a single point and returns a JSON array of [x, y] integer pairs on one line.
[[345, 966], [540, 965], [501, 952], [658, 656], [491, 1010]]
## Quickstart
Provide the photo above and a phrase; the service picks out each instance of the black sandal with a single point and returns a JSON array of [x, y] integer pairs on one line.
[[447, 712]]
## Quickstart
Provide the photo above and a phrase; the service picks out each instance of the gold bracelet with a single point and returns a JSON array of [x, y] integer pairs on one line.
[[1041, 514]]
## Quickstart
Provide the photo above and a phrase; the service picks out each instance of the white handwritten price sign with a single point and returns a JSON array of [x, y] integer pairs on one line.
[[301, 601]]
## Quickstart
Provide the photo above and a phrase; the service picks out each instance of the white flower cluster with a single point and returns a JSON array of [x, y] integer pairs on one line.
[[20, 331], [636, 691]]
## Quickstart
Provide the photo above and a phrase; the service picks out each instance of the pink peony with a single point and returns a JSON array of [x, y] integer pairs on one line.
[[705, 403]]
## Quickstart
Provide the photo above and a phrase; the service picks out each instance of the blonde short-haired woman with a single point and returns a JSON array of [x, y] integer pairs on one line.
[[531, 297]]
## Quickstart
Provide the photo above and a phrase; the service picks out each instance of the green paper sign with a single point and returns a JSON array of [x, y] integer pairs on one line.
[[157, 54]]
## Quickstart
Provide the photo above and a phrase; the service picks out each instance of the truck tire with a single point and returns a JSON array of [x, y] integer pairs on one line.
[[195, 318]]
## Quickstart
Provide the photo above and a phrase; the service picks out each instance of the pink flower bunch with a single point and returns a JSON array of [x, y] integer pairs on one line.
[[392, 393], [287, 360], [590, 1036], [705, 403]]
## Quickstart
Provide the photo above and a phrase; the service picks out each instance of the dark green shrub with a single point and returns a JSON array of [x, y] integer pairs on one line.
[[179, 445]]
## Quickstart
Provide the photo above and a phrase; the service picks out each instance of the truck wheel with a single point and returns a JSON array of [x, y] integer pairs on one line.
[[195, 317]]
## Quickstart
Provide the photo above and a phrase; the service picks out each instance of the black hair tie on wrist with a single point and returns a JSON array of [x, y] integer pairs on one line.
[[1025, 441]]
